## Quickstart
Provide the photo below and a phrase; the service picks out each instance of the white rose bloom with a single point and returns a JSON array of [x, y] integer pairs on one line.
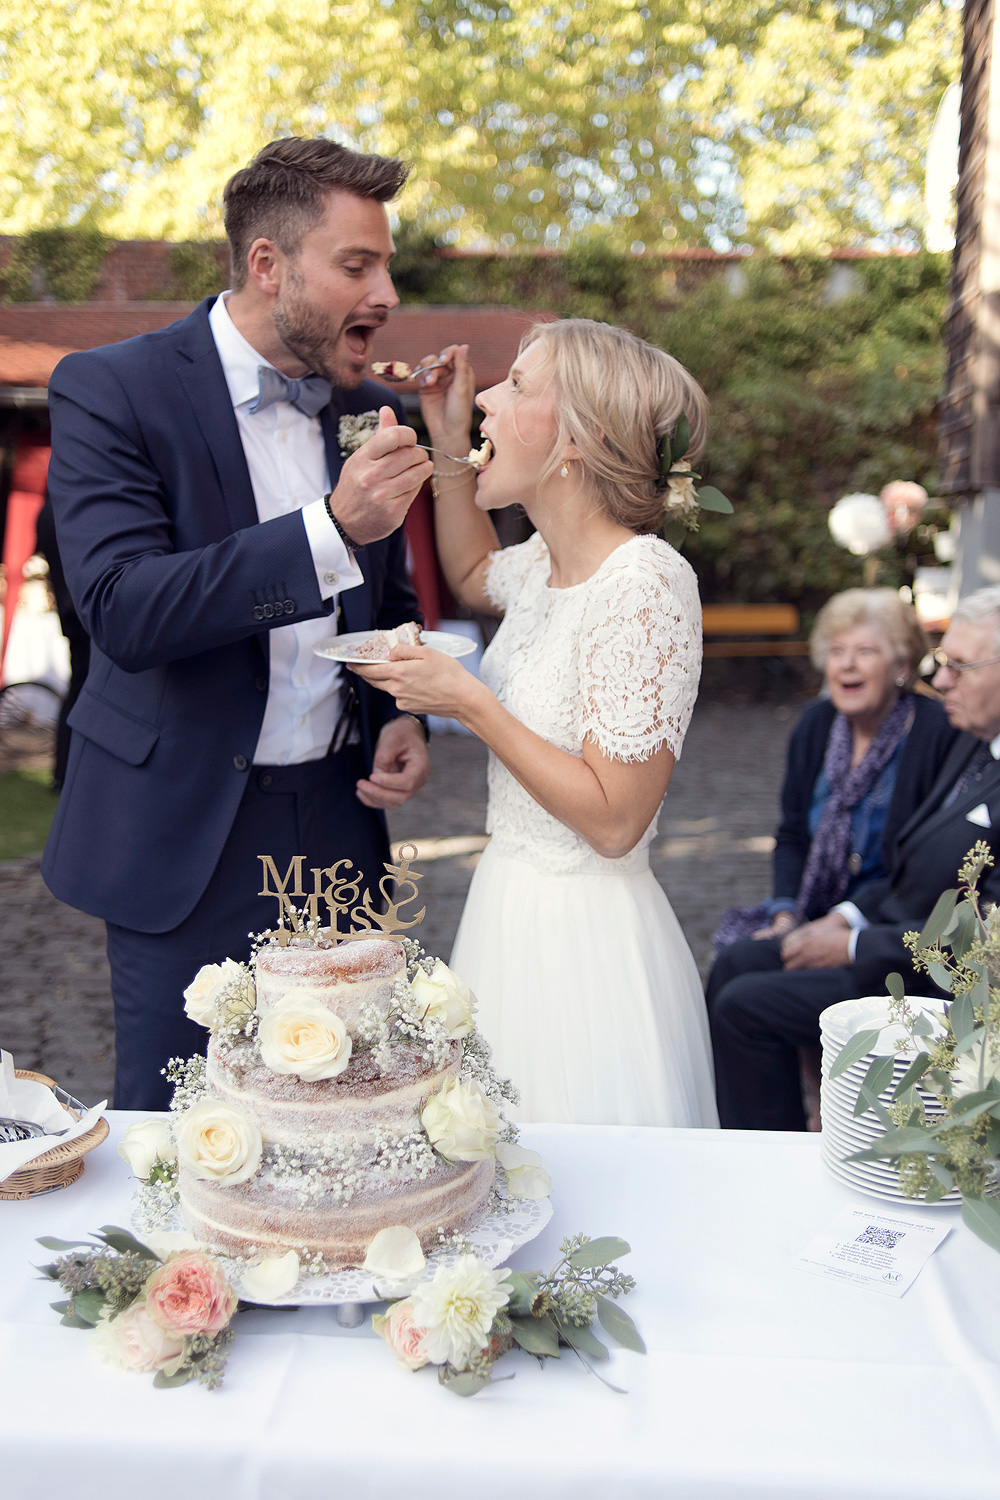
[[446, 998], [272, 1278], [859, 523], [457, 1309], [965, 1075], [218, 1143], [460, 1122], [202, 996], [303, 1037], [146, 1143], [526, 1177], [394, 1255]]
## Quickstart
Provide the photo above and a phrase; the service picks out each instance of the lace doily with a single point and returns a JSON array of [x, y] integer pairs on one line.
[[615, 660], [494, 1240]]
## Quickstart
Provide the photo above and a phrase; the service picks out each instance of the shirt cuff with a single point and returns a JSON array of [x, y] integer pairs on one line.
[[336, 569], [854, 917]]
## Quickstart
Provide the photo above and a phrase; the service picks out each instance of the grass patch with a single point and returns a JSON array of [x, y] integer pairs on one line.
[[27, 805]]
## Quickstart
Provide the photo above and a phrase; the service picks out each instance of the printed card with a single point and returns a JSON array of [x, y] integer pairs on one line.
[[882, 1251]]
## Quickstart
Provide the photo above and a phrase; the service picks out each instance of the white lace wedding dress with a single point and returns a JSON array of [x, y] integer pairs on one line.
[[587, 989]]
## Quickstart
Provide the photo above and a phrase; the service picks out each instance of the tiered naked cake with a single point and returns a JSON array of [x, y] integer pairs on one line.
[[347, 1079]]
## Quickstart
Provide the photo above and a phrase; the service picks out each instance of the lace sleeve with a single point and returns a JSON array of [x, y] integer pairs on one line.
[[640, 658], [509, 568]]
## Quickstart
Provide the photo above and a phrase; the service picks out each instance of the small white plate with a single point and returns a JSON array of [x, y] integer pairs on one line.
[[345, 647]]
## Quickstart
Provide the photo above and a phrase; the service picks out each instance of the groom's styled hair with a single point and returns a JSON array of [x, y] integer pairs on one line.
[[282, 194]]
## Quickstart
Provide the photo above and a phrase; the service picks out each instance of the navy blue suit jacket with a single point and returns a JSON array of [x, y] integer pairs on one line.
[[170, 571]]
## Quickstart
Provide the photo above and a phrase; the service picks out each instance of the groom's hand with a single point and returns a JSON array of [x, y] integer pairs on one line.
[[823, 944], [379, 483], [400, 765]]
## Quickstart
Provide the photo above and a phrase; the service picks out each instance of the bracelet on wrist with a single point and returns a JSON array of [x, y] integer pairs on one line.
[[349, 543]]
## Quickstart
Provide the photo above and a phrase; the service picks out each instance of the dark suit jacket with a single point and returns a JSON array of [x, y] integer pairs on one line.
[[925, 748], [171, 573], [926, 856]]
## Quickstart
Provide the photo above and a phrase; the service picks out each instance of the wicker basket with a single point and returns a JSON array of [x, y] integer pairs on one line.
[[59, 1166]]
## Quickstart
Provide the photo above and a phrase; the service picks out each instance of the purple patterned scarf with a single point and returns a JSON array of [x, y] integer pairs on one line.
[[827, 873]]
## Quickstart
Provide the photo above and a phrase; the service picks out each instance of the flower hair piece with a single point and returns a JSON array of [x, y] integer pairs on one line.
[[681, 499]]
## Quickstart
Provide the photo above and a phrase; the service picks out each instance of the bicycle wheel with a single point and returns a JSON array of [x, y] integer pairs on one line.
[[29, 716]]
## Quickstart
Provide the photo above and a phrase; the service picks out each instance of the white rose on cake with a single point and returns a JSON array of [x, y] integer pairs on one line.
[[208, 987], [445, 998], [460, 1122], [303, 1037], [218, 1142], [526, 1177], [146, 1143]]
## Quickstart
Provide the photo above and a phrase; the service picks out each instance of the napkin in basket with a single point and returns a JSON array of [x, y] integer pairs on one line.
[[24, 1099]]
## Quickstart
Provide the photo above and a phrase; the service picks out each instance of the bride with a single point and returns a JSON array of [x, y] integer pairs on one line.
[[587, 989]]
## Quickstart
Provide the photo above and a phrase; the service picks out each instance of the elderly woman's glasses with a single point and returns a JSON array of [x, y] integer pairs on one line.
[[942, 659]]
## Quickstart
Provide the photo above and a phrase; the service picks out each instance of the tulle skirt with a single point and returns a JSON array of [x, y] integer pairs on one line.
[[588, 995]]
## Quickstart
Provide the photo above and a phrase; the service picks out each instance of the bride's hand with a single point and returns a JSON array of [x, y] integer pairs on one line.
[[423, 681], [446, 398]]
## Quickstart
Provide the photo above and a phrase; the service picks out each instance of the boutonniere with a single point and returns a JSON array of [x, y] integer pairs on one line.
[[354, 431], [681, 498]]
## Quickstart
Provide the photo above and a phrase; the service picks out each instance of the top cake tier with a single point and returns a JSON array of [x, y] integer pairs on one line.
[[344, 978]]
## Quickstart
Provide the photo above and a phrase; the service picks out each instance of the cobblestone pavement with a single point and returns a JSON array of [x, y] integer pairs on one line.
[[712, 851]]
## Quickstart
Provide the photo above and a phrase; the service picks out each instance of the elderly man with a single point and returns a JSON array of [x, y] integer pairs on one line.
[[215, 525], [765, 997]]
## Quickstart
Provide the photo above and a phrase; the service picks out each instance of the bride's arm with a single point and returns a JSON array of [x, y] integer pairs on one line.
[[464, 536], [610, 803]]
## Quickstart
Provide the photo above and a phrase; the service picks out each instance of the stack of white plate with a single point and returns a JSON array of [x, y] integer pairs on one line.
[[843, 1132]]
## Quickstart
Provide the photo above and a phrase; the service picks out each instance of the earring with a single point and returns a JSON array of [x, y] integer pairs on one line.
[[901, 681], [564, 471]]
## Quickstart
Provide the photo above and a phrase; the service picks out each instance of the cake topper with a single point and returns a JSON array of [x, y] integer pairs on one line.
[[338, 888]]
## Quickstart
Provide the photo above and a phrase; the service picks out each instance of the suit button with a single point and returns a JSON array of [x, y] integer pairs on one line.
[[268, 611], [260, 683], [258, 612], [266, 779], [240, 762], [289, 606]]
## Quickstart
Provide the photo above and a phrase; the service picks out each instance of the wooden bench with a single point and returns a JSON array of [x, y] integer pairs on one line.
[[759, 630]]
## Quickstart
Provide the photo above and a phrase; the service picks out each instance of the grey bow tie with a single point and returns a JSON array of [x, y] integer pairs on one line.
[[310, 394]]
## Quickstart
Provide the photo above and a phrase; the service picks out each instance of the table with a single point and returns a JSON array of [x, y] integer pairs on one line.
[[761, 1382]]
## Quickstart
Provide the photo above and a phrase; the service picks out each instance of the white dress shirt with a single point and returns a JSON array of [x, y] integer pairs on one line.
[[288, 471], [855, 918]]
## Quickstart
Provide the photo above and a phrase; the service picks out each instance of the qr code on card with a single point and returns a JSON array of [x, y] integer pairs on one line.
[[885, 1239]]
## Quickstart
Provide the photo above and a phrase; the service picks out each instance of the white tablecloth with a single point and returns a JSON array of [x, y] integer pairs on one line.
[[761, 1381]]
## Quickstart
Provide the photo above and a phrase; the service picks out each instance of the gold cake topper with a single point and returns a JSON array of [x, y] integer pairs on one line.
[[339, 890]]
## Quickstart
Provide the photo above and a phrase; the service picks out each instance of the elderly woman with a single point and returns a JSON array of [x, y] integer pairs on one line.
[[860, 761]]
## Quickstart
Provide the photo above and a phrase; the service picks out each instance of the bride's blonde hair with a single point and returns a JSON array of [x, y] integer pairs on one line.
[[616, 396]]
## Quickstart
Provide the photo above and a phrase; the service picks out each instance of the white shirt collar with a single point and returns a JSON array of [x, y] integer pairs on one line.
[[995, 747], [240, 360]]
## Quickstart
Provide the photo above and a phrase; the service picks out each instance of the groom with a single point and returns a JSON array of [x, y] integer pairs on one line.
[[214, 527], [765, 997]]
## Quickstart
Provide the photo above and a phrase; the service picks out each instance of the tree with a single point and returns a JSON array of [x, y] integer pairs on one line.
[[709, 121]]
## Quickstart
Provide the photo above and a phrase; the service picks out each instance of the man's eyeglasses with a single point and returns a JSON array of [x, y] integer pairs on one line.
[[942, 659]]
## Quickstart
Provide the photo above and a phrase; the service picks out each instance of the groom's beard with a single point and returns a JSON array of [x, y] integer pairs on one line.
[[305, 330]]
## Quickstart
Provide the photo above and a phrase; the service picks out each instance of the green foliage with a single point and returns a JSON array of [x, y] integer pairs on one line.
[[198, 272], [27, 807], [63, 263], [755, 121]]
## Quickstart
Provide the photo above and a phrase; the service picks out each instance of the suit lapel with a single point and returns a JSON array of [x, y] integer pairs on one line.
[[932, 814], [199, 370]]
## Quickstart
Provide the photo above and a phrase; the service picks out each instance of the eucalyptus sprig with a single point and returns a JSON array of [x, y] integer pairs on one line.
[[941, 1122]]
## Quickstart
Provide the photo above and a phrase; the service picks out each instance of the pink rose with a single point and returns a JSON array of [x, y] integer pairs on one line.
[[189, 1294], [133, 1341], [404, 1337]]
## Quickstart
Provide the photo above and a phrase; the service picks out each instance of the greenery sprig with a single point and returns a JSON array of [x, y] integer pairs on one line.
[[941, 1122]]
